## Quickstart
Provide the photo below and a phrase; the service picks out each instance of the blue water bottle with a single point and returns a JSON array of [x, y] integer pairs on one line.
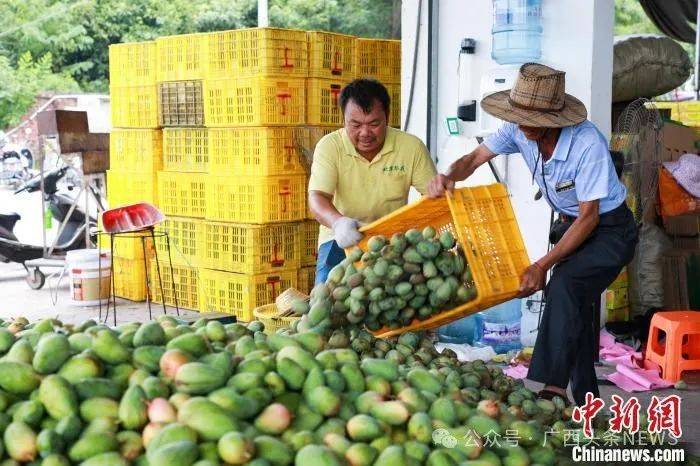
[[517, 31]]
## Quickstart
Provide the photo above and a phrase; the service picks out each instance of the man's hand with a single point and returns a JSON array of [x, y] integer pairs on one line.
[[345, 232], [439, 185], [532, 280]]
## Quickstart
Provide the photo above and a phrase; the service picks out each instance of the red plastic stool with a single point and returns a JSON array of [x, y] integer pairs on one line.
[[680, 350]]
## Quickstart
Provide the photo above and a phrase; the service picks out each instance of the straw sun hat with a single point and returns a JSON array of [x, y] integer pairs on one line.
[[537, 99]]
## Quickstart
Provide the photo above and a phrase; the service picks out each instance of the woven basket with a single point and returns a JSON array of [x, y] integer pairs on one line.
[[285, 300], [268, 315]]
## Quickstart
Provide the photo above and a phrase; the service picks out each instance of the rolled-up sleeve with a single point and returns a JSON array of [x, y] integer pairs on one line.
[[593, 174], [423, 169], [503, 140], [324, 170]]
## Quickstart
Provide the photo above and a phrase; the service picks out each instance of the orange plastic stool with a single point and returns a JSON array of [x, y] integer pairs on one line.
[[681, 349]]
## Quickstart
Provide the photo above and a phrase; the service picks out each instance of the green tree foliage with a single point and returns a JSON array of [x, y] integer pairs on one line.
[[20, 85], [630, 18]]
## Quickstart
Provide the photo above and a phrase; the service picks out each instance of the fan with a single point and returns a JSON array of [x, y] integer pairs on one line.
[[637, 137]]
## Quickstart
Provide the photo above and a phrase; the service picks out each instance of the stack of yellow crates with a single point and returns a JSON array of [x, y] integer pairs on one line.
[[239, 111], [135, 155], [617, 299]]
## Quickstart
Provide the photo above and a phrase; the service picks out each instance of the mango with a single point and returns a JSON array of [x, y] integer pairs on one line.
[[105, 459], [49, 442], [133, 410], [363, 428], [79, 367], [18, 378], [91, 445], [171, 433], [324, 401], [96, 387], [20, 351], [393, 413], [51, 352], [276, 452], [240, 406], [20, 442], [69, 427], [30, 412], [206, 418], [147, 357], [109, 349], [92, 408], [7, 339], [181, 453], [190, 343], [149, 333], [235, 449], [423, 380], [58, 397]]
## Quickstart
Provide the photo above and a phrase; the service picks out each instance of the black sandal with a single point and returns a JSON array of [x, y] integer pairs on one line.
[[545, 394]]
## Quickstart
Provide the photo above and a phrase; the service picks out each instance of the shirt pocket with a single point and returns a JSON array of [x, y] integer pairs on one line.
[[567, 199]]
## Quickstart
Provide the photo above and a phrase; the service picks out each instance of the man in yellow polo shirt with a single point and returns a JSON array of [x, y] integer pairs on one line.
[[362, 171]]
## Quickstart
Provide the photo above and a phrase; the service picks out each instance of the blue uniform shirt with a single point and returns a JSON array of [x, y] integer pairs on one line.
[[580, 168]]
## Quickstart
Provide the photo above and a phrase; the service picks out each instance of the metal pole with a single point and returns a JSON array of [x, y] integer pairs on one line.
[[696, 79], [263, 20]]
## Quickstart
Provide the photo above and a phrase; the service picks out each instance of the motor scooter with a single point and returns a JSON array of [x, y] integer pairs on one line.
[[63, 208]]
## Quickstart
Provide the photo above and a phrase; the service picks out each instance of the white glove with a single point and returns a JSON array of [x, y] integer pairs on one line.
[[345, 232]]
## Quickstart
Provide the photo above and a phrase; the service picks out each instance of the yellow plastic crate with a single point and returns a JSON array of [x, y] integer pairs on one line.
[[255, 101], [181, 103], [186, 237], [306, 278], [130, 279], [134, 106], [322, 107], [186, 288], [256, 151], [313, 135], [331, 55], [182, 194], [239, 294], [395, 105], [267, 314], [256, 199], [130, 187], [182, 57], [185, 150], [128, 247], [257, 51], [132, 64], [687, 113], [136, 149], [379, 59], [309, 242], [484, 223], [246, 248]]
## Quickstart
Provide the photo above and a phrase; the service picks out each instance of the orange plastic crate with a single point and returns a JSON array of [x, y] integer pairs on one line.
[[186, 287], [186, 237], [322, 102], [132, 64], [246, 248], [255, 101], [257, 51], [134, 106], [136, 149], [186, 150], [182, 194], [182, 57], [256, 151], [130, 187], [306, 279], [379, 59], [331, 55], [256, 199], [484, 223], [309, 242], [239, 294]]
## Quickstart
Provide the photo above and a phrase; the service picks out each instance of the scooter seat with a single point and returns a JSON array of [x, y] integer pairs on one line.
[[12, 217]]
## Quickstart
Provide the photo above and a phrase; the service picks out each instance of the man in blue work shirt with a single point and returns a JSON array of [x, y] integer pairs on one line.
[[595, 235]]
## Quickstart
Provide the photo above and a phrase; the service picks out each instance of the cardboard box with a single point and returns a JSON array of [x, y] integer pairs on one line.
[[621, 314], [622, 281], [683, 225], [676, 140], [681, 269], [617, 298]]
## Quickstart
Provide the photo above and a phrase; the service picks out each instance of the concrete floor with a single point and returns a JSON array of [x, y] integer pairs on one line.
[[19, 300]]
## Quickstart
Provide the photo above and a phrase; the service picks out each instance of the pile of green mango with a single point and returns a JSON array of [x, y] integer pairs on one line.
[[412, 276], [167, 393]]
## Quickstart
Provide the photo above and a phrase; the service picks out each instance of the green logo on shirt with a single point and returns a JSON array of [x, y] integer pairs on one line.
[[394, 169]]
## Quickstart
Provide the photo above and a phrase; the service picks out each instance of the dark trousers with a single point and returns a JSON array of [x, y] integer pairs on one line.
[[565, 347], [329, 255]]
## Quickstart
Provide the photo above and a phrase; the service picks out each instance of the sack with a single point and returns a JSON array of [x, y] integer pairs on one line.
[[645, 272], [647, 66]]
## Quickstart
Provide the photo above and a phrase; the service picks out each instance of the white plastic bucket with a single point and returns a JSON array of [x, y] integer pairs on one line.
[[86, 270]]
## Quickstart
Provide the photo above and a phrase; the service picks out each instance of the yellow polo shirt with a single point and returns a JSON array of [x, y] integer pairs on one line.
[[366, 190]]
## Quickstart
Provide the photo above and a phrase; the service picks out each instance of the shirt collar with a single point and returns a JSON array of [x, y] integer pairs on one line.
[[388, 146], [561, 151]]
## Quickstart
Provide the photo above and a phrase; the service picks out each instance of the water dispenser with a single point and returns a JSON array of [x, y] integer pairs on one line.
[[517, 31]]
